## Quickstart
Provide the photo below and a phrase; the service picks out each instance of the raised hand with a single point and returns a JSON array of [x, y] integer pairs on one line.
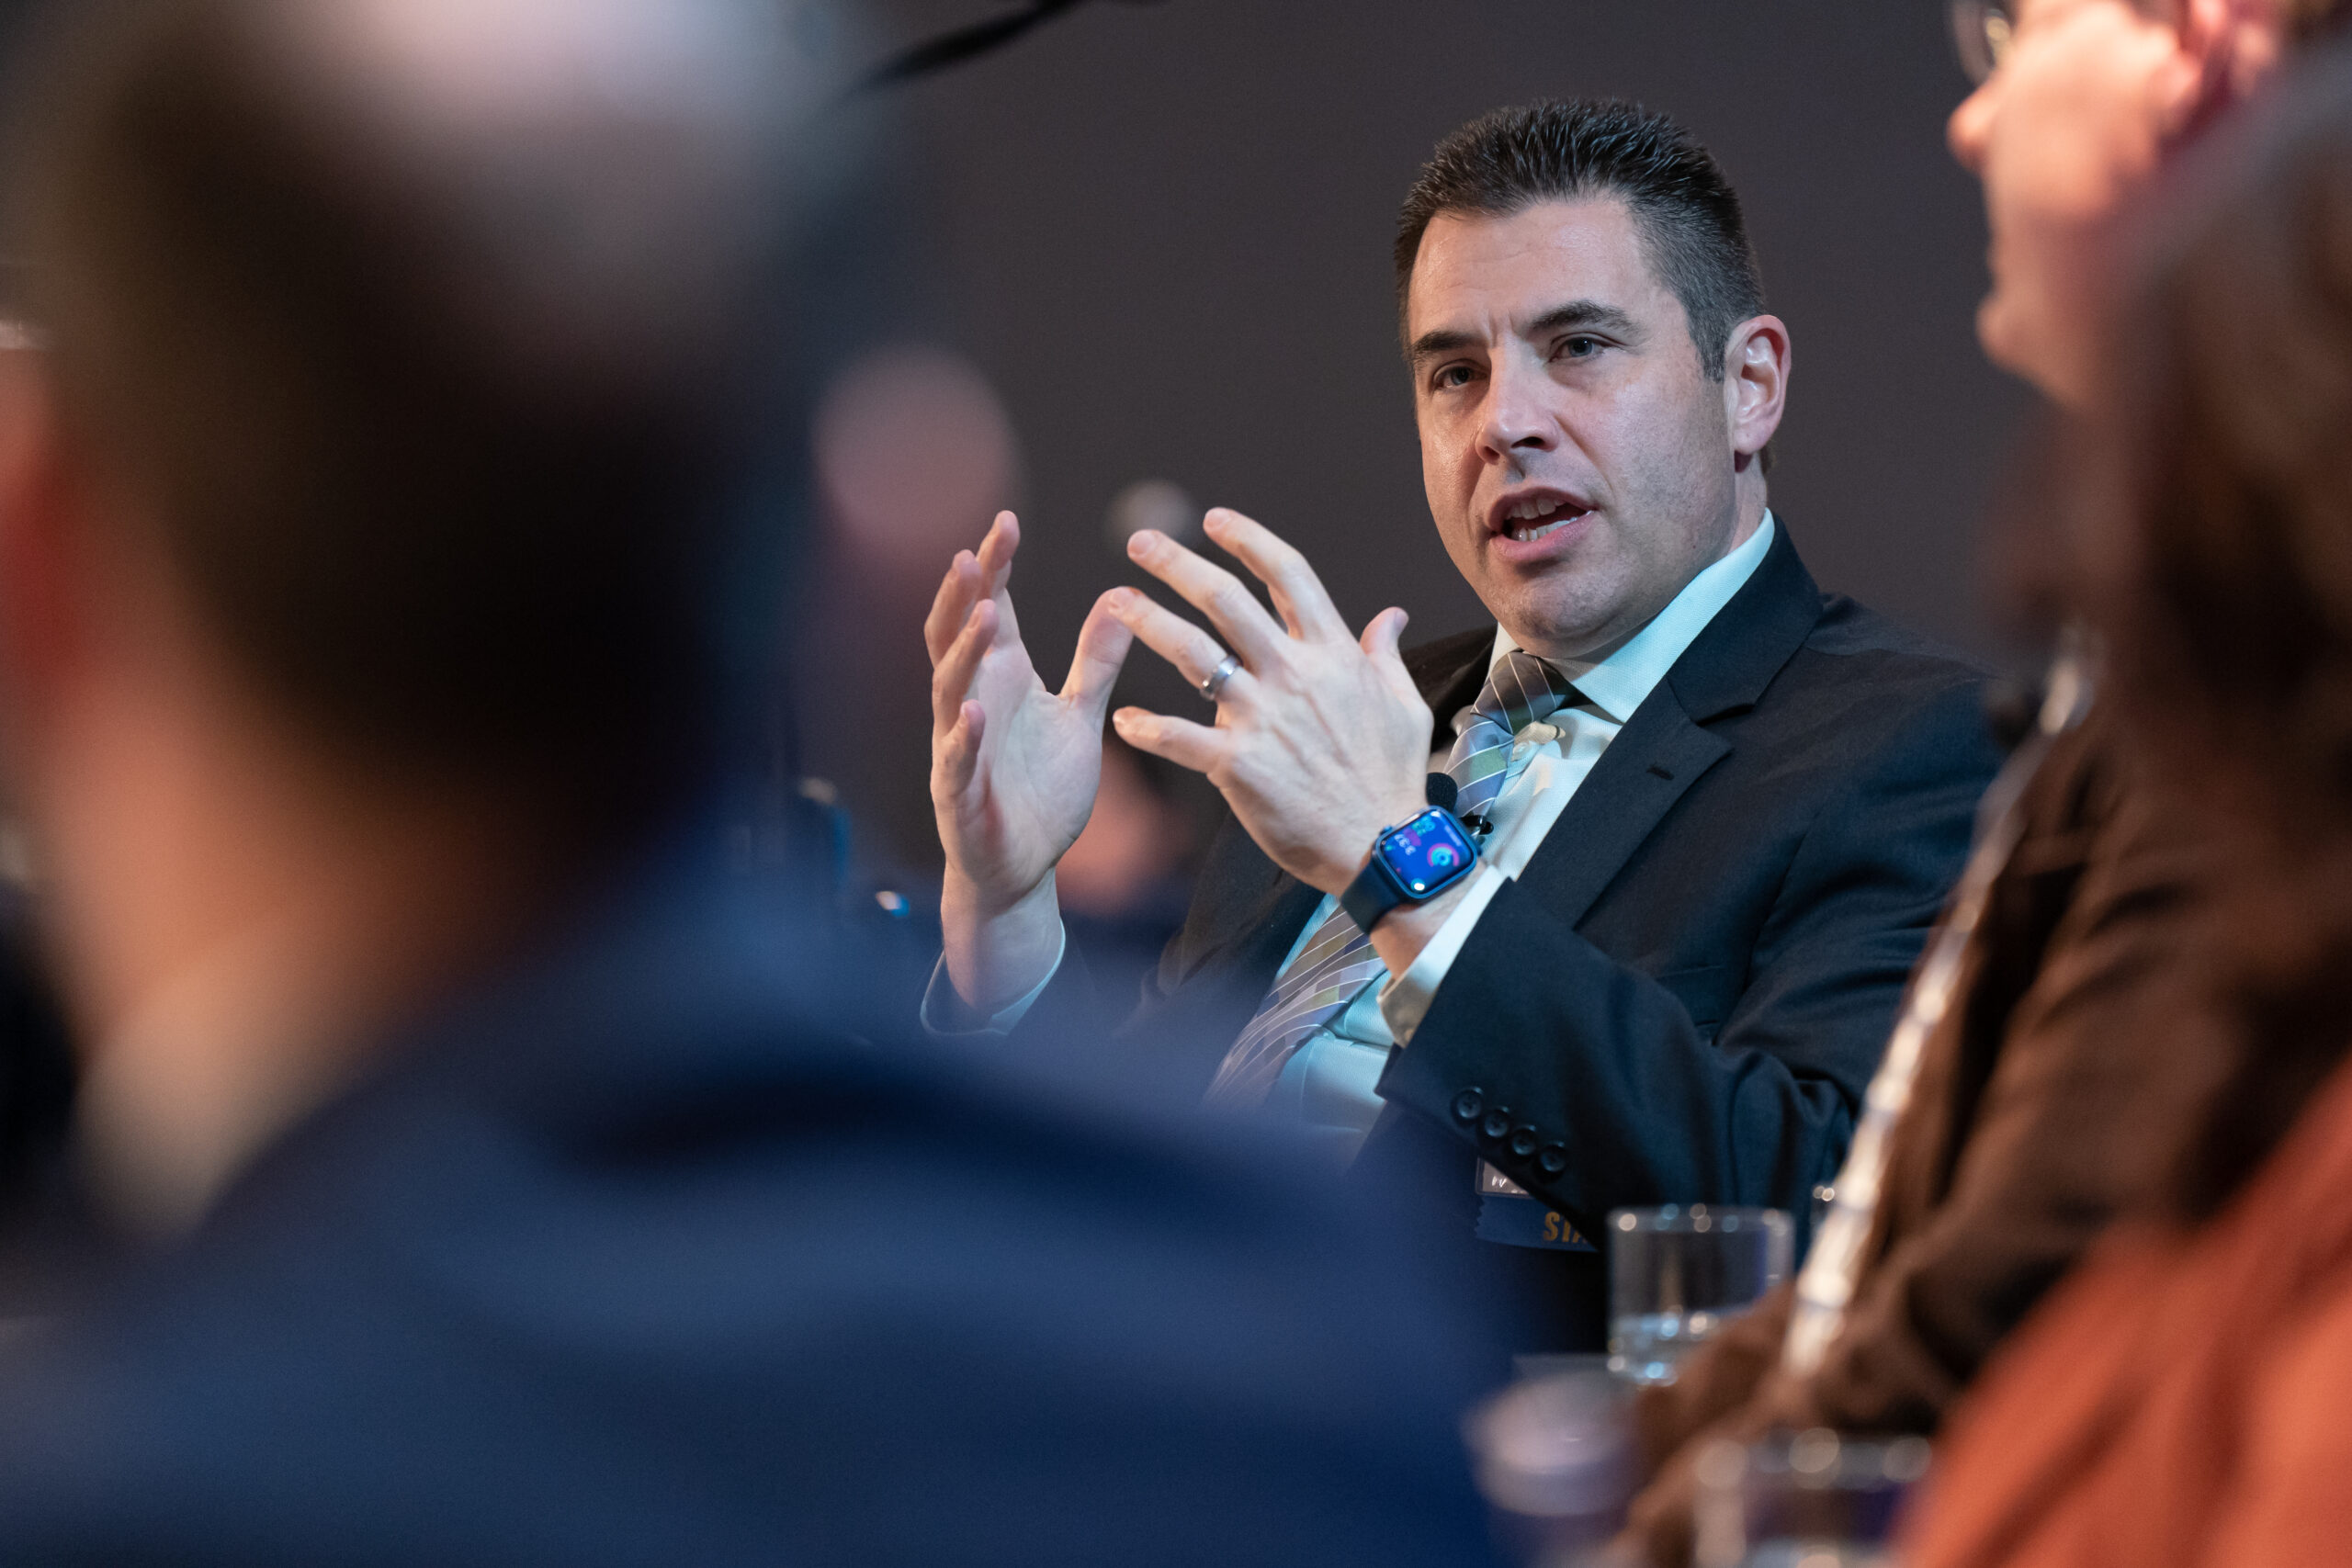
[[1013, 769], [1321, 738]]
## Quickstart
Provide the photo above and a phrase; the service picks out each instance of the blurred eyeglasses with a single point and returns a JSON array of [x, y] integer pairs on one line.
[[1982, 30]]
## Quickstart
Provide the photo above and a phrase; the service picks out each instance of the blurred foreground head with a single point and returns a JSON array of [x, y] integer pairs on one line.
[[2219, 560], [2082, 106], [437, 353], [391, 518]]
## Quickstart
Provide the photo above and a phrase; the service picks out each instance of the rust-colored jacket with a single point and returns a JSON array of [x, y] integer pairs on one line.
[[2184, 1400], [2046, 1103]]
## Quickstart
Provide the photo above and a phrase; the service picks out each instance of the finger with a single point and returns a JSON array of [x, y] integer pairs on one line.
[[1103, 645], [1297, 592], [995, 564], [958, 760], [1380, 644], [1194, 653], [1195, 746], [952, 606], [997, 550], [951, 682], [1216, 593]]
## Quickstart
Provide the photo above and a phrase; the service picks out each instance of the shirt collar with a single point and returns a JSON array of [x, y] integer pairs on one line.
[[1623, 682]]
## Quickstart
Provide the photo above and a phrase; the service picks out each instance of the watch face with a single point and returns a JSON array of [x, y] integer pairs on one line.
[[1427, 853]]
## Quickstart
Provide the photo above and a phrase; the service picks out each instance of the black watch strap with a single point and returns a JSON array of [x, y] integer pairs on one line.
[[1372, 895]]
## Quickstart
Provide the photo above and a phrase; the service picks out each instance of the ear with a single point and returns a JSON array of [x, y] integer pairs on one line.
[[2229, 49], [1756, 383]]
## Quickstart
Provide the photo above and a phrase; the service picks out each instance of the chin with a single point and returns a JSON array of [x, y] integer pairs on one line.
[[2009, 343], [2041, 326], [1552, 631]]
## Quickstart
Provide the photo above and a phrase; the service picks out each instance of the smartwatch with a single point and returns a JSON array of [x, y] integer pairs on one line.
[[1411, 863]]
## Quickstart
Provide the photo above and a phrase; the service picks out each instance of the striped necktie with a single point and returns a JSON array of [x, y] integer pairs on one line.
[[1338, 961]]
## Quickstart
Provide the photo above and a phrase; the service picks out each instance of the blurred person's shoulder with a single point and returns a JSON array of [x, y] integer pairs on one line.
[[662, 1247]]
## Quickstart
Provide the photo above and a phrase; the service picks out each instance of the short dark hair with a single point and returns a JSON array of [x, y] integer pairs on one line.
[[456, 433], [1689, 217]]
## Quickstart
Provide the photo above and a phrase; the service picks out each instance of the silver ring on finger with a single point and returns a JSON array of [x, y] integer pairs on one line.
[[1212, 688]]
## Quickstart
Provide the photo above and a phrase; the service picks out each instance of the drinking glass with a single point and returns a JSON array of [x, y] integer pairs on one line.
[[1553, 1455], [1804, 1500], [1677, 1274]]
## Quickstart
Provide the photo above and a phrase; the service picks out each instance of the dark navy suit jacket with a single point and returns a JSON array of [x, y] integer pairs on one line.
[[658, 1252], [1684, 995]]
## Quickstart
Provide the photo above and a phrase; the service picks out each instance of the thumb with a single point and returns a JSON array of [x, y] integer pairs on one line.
[[1380, 637]]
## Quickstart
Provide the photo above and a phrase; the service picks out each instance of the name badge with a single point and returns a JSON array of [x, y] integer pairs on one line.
[[1509, 1214]]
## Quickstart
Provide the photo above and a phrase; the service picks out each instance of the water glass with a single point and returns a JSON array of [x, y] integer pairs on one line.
[[1553, 1455], [1804, 1500], [1677, 1274]]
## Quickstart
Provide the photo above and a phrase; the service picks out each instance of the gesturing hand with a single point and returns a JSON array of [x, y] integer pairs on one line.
[[1320, 740], [1013, 768]]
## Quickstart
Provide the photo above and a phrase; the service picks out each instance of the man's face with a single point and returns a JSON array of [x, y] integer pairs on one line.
[[2065, 135], [1577, 455]]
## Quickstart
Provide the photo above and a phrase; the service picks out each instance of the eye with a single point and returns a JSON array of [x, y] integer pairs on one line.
[[1451, 377], [1579, 347]]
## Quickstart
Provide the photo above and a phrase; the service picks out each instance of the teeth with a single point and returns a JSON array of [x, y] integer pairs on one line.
[[1535, 509], [1532, 519]]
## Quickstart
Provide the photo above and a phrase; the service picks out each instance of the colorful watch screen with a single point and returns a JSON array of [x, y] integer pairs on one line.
[[1427, 853]]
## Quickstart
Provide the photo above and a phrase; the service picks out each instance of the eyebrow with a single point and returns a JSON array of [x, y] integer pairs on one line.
[[1589, 314]]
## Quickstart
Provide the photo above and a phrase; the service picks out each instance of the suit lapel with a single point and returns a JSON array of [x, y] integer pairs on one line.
[[1262, 933], [1450, 673], [1227, 973], [1666, 747], [1659, 754]]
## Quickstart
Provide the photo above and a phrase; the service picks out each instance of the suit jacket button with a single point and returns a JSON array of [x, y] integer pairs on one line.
[[1467, 1104], [1523, 1141], [1552, 1158], [1497, 1125]]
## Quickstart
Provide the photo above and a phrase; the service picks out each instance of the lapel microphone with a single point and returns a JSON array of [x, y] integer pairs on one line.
[[1443, 792]]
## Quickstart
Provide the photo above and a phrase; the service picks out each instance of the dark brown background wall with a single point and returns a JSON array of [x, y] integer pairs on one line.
[[1161, 233]]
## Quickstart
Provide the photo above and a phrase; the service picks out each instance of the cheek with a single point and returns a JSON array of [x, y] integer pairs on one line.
[[1672, 449], [2078, 132], [1436, 458], [2052, 201], [1450, 468]]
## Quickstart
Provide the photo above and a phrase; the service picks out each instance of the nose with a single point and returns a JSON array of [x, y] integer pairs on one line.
[[1970, 129], [1516, 420]]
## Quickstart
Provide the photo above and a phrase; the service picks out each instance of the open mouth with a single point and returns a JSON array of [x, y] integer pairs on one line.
[[1530, 519]]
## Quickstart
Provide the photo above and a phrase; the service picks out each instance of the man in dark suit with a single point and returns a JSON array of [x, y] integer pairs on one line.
[[508, 1186], [1719, 809]]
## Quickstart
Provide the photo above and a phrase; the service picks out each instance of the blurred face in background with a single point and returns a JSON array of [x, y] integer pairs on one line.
[[2080, 102], [1580, 460]]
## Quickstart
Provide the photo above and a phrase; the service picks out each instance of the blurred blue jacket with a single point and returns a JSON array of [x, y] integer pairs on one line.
[[658, 1251]]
